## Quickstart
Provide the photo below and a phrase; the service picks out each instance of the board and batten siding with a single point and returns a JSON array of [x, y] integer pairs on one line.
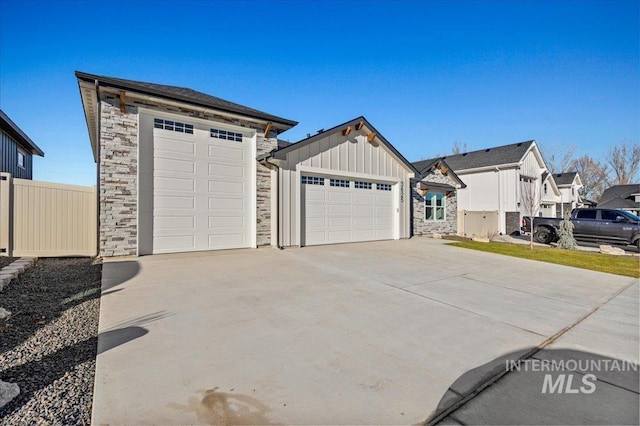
[[337, 155], [9, 158]]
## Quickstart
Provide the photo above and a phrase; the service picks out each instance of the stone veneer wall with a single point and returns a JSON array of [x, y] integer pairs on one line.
[[447, 226], [118, 174], [263, 192]]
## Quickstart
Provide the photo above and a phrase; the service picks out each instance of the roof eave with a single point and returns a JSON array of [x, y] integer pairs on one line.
[[284, 123], [20, 137], [495, 167]]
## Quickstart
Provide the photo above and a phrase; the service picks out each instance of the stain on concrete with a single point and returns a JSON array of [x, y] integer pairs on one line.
[[212, 407]]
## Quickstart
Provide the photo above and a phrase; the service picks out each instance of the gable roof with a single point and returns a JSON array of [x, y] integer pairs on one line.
[[282, 152], [620, 197], [429, 164], [564, 178], [21, 138], [182, 94], [496, 156]]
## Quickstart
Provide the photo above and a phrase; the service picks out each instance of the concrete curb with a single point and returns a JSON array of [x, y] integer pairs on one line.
[[12, 271]]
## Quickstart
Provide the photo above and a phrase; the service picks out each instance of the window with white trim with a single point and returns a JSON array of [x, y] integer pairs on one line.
[[339, 182], [434, 206], [22, 159], [383, 186], [312, 180], [362, 185], [174, 126], [226, 135]]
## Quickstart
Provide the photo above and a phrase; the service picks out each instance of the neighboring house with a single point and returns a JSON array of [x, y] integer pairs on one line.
[[434, 198], [626, 197], [494, 177], [569, 185], [16, 149], [180, 171], [551, 195]]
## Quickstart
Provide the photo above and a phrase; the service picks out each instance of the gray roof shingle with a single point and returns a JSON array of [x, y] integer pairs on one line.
[[185, 95], [12, 129], [620, 197], [506, 154], [564, 178]]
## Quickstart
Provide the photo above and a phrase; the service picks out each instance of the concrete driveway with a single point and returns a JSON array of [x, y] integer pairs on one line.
[[370, 333]]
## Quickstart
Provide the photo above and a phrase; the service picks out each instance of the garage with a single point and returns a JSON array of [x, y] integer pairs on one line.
[[342, 185], [201, 187], [342, 210]]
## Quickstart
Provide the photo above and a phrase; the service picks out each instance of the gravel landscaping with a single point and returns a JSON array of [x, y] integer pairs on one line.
[[6, 261], [49, 345]]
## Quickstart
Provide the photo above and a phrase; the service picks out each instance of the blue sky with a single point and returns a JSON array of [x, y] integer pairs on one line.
[[425, 73]]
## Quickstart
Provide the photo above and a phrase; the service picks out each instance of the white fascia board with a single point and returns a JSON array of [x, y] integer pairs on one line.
[[186, 106], [496, 167]]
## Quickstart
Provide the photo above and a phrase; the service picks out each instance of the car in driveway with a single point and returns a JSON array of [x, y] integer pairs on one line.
[[609, 225]]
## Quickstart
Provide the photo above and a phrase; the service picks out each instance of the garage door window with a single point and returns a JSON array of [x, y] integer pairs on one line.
[[434, 206], [174, 126], [339, 182], [226, 135], [312, 180], [383, 187], [362, 185]]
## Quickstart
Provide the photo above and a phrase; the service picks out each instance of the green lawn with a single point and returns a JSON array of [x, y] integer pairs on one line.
[[619, 265]]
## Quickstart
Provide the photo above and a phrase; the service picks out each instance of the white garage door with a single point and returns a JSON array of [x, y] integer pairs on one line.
[[341, 210], [201, 194]]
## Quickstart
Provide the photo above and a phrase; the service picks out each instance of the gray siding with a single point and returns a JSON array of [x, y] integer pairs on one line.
[[9, 158]]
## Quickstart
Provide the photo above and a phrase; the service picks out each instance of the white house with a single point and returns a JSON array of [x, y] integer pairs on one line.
[[180, 170], [551, 196], [494, 179], [569, 185]]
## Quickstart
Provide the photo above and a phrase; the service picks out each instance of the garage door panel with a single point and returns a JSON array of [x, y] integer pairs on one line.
[[222, 241], [362, 197], [339, 209], [221, 187], [339, 195], [316, 222], [226, 152], [226, 171], [173, 165], [201, 193], [174, 184], [345, 214], [174, 222], [363, 210], [169, 244], [339, 236], [173, 146], [363, 235], [226, 222], [173, 202], [339, 221]]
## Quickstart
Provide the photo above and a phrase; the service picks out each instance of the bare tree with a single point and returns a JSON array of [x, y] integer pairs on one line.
[[558, 161], [458, 148], [624, 159], [594, 176], [530, 201]]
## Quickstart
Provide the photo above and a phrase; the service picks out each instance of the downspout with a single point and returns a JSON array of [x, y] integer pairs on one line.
[[500, 204], [278, 239], [99, 109]]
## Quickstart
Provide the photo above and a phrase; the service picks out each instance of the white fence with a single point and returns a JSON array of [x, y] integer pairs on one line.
[[46, 219], [480, 223]]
